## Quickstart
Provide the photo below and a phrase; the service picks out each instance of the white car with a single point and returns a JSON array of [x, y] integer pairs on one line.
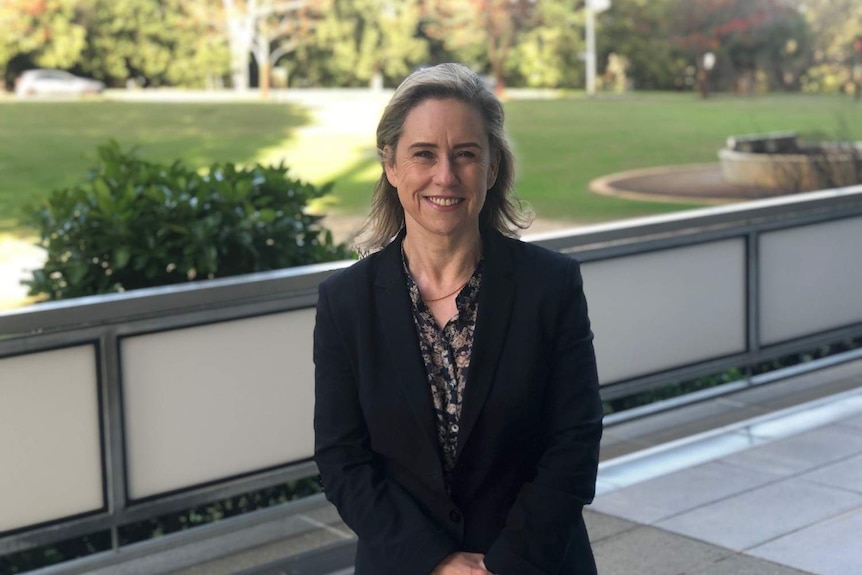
[[54, 82]]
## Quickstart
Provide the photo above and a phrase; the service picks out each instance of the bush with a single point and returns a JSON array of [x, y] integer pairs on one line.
[[134, 224]]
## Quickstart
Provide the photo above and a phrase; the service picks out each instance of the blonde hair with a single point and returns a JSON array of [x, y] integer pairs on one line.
[[502, 211]]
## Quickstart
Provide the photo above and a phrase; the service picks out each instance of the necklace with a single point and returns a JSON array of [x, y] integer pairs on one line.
[[451, 293]]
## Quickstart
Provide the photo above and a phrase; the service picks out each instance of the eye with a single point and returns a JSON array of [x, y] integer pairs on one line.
[[423, 154], [466, 154]]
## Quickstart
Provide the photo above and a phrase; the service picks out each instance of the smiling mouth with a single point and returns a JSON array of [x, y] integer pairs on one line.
[[445, 202]]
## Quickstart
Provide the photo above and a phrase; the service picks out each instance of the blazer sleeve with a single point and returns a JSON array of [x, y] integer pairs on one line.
[[387, 519], [545, 522]]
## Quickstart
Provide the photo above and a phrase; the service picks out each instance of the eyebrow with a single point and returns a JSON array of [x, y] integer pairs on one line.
[[456, 146]]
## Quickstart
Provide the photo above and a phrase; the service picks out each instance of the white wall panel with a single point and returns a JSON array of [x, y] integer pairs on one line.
[[665, 309], [810, 279], [213, 401], [50, 450]]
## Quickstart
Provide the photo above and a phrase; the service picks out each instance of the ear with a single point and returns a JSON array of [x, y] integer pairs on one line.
[[389, 166], [493, 168]]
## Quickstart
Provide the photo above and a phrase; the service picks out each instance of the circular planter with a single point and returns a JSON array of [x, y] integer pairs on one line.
[[826, 165]]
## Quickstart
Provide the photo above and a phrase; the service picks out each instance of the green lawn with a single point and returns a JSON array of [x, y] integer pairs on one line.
[[560, 144], [47, 145], [563, 145]]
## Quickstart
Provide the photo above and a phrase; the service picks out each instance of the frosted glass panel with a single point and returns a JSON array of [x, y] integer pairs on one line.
[[810, 279], [218, 400], [50, 450], [665, 309]]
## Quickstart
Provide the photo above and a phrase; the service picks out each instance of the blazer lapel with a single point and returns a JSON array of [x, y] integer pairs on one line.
[[496, 296], [409, 373]]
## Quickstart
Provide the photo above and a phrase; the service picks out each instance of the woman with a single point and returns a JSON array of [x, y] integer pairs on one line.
[[457, 416]]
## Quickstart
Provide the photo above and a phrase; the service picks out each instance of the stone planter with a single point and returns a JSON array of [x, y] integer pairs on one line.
[[793, 167]]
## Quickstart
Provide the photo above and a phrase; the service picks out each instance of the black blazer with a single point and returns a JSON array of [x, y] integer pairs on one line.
[[528, 447]]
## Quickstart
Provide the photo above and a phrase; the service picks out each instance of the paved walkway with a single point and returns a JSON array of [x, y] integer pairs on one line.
[[18, 258], [777, 494]]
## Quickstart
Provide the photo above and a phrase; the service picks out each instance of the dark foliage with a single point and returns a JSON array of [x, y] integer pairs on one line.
[[133, 224]]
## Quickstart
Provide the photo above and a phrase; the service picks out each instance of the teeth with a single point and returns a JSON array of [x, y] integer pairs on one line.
[[445, 201]]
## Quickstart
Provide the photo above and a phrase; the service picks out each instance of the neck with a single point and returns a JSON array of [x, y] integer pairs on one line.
[[442, 260]]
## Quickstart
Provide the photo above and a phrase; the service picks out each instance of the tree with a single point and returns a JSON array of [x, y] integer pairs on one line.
[[369, 40], [240, 25], [267, 29], [200, 54], [125, 39], [164, 41], [45, 30], [547, 53], [639, 30], [786, 49], [279, 31], [835, 25], [749, 36], [481, 33]]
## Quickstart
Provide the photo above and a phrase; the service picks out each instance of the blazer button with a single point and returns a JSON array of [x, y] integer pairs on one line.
[[455, 516]]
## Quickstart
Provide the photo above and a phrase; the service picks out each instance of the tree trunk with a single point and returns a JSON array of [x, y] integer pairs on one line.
[[263, 74], [239, 41], [239, 67], [499, 76]]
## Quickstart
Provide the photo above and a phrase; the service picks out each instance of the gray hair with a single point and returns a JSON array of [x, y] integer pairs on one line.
[[503, 211]]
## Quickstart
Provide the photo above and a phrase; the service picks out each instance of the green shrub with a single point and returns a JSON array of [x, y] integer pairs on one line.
[[134, 224]]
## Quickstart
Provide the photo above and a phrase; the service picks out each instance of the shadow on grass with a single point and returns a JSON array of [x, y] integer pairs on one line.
[[354, 185], [45, 146]]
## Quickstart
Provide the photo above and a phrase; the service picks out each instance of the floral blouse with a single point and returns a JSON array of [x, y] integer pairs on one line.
[[446, 353]]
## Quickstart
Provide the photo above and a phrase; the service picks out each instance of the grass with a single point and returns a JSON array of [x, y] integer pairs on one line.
[[49, 145], [563, 145], [560, 144]]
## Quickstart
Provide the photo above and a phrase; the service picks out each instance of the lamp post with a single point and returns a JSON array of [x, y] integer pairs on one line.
[[593, 7], [708, 65]]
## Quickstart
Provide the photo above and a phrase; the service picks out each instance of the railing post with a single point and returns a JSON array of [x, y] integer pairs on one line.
[[753, 301], [115, 471]]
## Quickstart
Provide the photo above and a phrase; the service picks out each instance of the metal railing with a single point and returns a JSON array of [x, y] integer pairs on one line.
[[107, 392]]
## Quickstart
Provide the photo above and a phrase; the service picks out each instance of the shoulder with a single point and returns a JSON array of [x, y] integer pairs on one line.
[[356, 281], [529, 260], [349, 277]]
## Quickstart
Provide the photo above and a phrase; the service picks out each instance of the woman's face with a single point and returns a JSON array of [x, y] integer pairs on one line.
[[442, 168]]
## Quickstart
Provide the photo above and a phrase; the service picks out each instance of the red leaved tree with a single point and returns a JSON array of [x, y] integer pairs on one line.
[[748, 36]]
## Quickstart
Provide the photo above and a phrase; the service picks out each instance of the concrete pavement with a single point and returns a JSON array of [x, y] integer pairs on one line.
[[780, 493]]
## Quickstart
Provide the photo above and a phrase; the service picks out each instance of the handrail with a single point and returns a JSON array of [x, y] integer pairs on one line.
[[111, 308]]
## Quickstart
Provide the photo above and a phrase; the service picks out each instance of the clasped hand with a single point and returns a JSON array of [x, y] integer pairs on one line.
[[462, 564]]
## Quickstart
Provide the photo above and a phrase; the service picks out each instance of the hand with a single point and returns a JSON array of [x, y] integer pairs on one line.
[[462, 564]]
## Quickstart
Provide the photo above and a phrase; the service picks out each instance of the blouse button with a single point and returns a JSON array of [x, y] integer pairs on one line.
[[455, 516], [455, 428]]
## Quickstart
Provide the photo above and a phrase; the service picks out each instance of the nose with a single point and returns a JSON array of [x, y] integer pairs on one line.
[[445, 175]]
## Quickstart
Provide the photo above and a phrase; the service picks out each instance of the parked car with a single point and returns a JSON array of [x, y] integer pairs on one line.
[[54, 82]]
